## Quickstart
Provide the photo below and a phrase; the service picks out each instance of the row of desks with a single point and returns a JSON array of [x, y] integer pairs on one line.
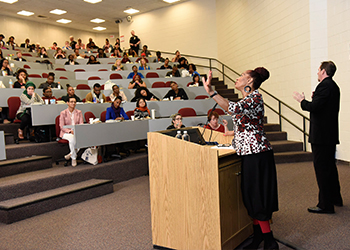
[[46, 114], [88, 135], [158, 92]]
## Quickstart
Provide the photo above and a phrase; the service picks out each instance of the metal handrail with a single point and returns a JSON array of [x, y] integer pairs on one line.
[[280, 103]]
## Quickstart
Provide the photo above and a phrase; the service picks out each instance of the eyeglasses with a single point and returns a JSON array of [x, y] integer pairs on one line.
[[178, 119]]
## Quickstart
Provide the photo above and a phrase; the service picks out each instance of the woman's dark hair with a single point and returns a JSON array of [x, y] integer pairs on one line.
[[259, 75], [89, 61], [211, 114], [115, 85], [118, 97], [20, 71], [138, 101], [193, 66], [51, 74], [196, 75], [138, 92]]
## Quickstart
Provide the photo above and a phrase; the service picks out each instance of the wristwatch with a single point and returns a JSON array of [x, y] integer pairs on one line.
[[215, 93]]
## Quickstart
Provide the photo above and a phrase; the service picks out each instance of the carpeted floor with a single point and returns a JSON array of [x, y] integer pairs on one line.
[[122, 220]]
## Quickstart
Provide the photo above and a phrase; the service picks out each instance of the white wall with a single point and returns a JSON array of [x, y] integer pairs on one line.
[[46, 34], [189, 27]]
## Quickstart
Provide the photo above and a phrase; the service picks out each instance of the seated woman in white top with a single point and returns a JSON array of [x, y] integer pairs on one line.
[[28, 97], [70, 116], [117, 92]]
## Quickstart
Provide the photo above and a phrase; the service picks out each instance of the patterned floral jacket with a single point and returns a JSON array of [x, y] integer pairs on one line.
[[248, 115]]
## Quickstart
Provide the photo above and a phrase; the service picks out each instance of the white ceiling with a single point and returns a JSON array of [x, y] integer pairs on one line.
[[81, 12]]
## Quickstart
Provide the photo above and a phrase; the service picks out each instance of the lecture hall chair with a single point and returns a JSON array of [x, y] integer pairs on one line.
[[115, 76], [219, 111], [83, 86], [158, 85], [13, 102], [201, 97], [152, 75], [186, 112], [103, 116], [94, 78], [88, 115]]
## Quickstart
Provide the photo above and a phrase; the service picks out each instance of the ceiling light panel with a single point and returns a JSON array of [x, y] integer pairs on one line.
[[99, 28], [97, 20], [58, 12], [25, 13], [171, 1], [131, 11], [93, 1], [65, 21], [8, 1]]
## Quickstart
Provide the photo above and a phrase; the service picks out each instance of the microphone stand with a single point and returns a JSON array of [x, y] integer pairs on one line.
[[205, 126]]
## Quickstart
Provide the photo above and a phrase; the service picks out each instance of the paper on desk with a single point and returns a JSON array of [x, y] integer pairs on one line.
[[216, 147]]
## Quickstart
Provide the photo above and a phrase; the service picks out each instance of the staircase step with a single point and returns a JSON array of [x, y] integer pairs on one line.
[[276, 136], [216, 83], [269, 127], [24, 165], [9, 138], [53, 149], [286, 146], [292, 156], [31, 205], [225, 91], [10, 128], [220, 87]]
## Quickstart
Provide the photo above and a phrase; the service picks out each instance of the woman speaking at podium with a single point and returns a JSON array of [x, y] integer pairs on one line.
[[259, 181]]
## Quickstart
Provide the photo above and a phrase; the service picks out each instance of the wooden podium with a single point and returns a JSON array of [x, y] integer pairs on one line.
[[196, 201]]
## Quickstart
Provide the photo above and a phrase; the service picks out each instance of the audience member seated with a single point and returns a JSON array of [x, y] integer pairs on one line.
[[91, 44], [145, 50], [67, 46], [143, 92], [1, 56], [80, 44], [117, 42], [92, 60], [59, 54], [47, 94], [5, 68], [117, 66], [50, 82], [115, 112], [196, 81], [72, 42], [176, 92], [19, 57], [54, 46], [174, 72], [132, 53], [176, 121], [143, 65], [77, 55], [70, 116], [95, 95], [125, 58], [143, 56], [213, 124], [22, 79], [117, 92], [108, 46], [11, 43], [182, 63], [116, 53], [101, 53], [4, 115], [2, 42], [43, 53], [71, 60], [70, 94], [159, 57], [26, 44], [27, 98], [137, 83], [166, 65], [141, 111], [177, 56], [192, 70], [134, 73]]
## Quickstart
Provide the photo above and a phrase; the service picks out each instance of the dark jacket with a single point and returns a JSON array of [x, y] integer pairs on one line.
[[324, 112], [181, 94]]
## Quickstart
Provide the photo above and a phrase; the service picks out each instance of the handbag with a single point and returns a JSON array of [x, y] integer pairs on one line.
[[90, 155]]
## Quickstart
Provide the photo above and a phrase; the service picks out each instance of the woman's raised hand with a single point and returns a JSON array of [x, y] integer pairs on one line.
[[207, 84]]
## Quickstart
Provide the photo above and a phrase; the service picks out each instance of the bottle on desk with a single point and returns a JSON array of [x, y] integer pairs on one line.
[[178, 135], [11, 83], [185, 136], [94, 100]]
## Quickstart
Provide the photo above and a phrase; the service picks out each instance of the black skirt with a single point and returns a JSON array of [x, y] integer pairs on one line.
[[259, 185]]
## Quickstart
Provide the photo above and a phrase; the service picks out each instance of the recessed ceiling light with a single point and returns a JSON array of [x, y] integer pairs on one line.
[[93, 1], [99, 28], [131, 11], [171, 1], [58, 12], [25, 13], [63, 21], [97, 20], [9, 1]]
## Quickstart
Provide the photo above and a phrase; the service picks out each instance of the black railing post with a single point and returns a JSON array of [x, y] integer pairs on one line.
[[304, 125], [210, 64], [223, 72], [280, 114]]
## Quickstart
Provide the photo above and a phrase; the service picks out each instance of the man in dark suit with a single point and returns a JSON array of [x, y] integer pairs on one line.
[[19, 57], [324, 136], [26, 44]]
